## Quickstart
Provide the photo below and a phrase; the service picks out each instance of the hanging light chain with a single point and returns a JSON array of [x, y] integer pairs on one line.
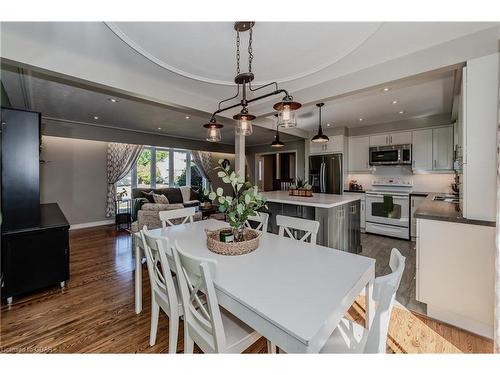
[[250, 54], [237, 52]]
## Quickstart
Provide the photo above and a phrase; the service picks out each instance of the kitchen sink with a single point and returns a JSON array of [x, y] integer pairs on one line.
[[446, 198]]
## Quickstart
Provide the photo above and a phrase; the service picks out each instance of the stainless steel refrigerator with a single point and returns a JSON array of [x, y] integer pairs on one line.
[[325, 173]]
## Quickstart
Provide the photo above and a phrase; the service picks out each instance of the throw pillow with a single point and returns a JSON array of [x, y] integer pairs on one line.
[[160, 198], [186, 193], [148, 196]]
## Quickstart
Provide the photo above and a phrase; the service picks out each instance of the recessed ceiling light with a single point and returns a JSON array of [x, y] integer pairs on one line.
[[159, 128], [386, 89], [113, 100], [187, 117], [394, 102], [96, 117], [360, 119], [401, 112], [328, 125]]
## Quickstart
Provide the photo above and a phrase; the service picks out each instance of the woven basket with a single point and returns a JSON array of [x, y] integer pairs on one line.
[[250, 243]]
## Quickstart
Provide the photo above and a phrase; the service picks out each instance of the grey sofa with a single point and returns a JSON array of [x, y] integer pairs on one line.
[[145, 212]]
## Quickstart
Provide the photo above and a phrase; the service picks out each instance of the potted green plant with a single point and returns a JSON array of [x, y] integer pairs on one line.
[[244, 203], [300, 188]]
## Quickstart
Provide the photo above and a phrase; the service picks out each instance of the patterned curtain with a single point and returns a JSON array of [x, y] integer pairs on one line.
[[203, 161], [120, 159]]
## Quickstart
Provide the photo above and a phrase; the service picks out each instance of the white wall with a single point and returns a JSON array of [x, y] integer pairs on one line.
[[74, 176], [432, 182]]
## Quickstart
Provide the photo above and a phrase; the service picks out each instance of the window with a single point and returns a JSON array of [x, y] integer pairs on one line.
[[160, 168]]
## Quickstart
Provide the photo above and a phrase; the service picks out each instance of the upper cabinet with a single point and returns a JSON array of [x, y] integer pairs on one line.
[[433, 149], [335, 144], [359, 154], [442, 148], [388, 139], [422, 150]]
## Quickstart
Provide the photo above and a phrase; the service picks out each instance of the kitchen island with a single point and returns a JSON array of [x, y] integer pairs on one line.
[[338, 215]]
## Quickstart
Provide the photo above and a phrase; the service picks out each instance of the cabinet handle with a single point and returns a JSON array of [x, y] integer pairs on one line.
[[434, 163], [391, 139], [386, 139], [353, 209]]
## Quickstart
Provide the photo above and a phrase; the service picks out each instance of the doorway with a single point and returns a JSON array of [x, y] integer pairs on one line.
[[276, 170]]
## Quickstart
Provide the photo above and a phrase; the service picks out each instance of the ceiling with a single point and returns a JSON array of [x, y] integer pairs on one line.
[[64, 100], [163, 71], [429, 95]]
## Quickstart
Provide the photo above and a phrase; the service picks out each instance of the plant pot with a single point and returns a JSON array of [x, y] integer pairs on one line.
[[239, 233]]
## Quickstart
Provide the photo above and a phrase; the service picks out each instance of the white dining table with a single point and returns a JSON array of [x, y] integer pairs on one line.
[[292, 293]]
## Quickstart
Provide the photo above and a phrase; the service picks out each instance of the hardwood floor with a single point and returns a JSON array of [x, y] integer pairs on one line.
[[95, 312]]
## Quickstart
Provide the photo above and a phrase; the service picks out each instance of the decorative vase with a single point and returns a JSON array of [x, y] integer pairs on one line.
[[239, 233]]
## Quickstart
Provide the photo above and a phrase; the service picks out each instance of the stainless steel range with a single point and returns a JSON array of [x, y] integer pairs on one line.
[[388, 207]]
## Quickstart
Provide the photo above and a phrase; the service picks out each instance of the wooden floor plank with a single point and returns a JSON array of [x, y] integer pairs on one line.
[[95, 312]]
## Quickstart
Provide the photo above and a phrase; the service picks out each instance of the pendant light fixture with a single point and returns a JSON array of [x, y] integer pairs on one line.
[[320, 137], [286, 107], [213, 130], [277, 143]]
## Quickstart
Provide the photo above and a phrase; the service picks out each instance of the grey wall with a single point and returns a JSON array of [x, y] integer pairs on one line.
[[107, 134], [298, 146], [74, 176]]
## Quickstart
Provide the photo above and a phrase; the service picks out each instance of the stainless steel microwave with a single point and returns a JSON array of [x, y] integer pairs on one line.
[[391, 155]]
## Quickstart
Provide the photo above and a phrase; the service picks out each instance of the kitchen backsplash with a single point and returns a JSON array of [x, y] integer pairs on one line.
[[438, 183]]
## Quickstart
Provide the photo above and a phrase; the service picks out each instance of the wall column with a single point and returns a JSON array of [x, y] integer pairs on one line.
[[239, 151]]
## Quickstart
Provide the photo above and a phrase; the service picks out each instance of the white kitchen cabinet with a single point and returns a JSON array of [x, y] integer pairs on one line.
[[422, 150], [415, 201], [335, 144], [359, 154], [400, 138], [432, 149], [388, 139], [442, 148], [455, 273]]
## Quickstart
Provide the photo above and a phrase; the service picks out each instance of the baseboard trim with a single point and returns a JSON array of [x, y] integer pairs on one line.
[[92, 224], [471, 325]]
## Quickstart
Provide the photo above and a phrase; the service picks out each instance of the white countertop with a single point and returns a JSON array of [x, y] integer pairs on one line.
[[317, 200]]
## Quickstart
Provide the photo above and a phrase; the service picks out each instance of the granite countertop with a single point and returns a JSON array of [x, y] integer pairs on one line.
[[444, 211], [317, 200]]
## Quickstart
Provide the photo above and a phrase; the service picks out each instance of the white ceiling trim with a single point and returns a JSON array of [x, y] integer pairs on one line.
[[137, 48]]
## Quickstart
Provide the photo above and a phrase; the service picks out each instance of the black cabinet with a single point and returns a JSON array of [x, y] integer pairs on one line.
[[20, 168], [36, 257]]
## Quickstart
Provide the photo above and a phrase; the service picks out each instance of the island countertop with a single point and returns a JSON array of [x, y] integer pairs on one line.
[[317, 200]]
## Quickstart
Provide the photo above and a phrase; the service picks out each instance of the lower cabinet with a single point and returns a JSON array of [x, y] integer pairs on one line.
[[339, 226], [415, 201]]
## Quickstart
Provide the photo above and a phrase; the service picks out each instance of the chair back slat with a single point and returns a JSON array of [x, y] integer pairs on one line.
[[204, 322], [186, 214], [288, 225], [260, 217], [159, 266], [384, 294]]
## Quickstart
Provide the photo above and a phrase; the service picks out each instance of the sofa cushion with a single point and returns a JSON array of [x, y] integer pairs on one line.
[[160, 198], [148, 195], [173, 194], [186, 193], [161, 207]]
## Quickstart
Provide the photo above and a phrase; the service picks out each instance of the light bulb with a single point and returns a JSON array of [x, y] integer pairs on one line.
[[244, 126], [213, 135]]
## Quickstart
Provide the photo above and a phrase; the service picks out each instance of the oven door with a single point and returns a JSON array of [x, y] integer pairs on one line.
[[385, 155], [388, 208]]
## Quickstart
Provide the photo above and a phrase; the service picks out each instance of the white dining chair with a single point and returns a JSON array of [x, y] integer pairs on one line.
[[164, 291], [290, 225], [212, 328], [186, 214], [350, 337], [260, 217]]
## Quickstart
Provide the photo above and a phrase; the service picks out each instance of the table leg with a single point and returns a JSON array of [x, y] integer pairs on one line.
[[138, 279], [369, 304]]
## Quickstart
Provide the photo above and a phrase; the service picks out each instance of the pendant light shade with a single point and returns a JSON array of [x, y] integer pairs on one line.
[[244, 126], [320, 137], [277, 143], [286, 112], [213, 131]]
